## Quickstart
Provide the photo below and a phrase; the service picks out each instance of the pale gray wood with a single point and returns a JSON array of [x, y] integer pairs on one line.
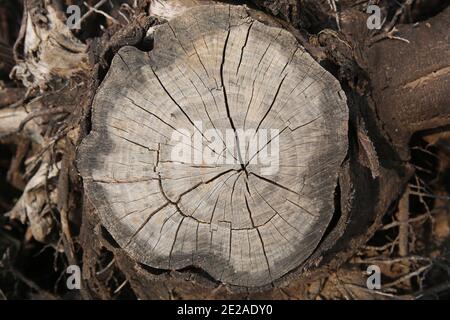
[[217, 65]]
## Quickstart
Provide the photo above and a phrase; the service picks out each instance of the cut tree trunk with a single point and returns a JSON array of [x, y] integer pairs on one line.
[[220, 149], [132, 159]]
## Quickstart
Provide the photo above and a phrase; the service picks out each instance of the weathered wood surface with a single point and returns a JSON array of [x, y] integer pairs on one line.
[[168, 9], [218, 68]]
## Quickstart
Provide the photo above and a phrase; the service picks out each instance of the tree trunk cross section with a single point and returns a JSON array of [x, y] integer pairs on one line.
[[246, 207]]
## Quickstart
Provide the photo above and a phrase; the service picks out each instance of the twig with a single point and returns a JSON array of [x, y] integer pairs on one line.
[[91, 10], [124, 16], [41, 113], [127, 8], [107, 16], [403, 217], [386, 35], [106, 268], [48, 145], [390, 261], [381, 293], [322, 284], [120, 287], [397, 14], [421, 199], [409, 221], [422, 169], [333, 6], [428, 195], [381, 248], [425, 151], [340, 285], [63, 187], [2, 295], [407, 276]]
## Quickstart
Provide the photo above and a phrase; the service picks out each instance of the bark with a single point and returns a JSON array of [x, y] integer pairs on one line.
[[409, 82]]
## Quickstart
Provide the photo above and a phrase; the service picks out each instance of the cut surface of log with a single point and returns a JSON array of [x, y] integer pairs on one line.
[[219, 149]]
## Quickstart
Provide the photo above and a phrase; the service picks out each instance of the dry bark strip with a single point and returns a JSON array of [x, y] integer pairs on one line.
[[218, 67]]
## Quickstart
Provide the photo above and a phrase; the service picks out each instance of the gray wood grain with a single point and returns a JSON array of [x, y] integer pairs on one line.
[[216, 66]]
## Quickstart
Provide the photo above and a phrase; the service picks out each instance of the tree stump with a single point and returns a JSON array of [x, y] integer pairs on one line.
[[219, 149]]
